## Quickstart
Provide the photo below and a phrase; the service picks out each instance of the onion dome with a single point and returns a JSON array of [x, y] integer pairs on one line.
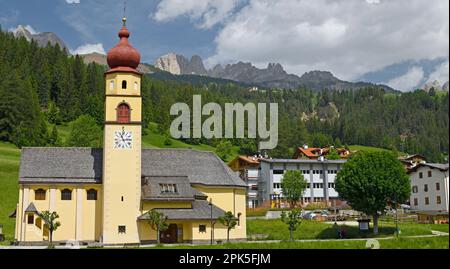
[[123, 55]]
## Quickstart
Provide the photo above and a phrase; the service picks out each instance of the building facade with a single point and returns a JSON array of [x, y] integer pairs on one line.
[[320, 175], [248, 168], [103, 195], [429, 191]]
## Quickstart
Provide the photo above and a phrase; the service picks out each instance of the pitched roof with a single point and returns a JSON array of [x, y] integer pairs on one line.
[[439, 166], [201, 210], [84, 165], [31, 209], [151, 189], [201, 167], [61, 165]]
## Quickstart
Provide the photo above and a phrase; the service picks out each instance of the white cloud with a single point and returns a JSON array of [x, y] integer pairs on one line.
[[440, 73], [89, 48], [72, 1], [348, 38], [408, 81], [206, 13]]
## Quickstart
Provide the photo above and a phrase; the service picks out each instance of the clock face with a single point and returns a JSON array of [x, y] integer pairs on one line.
[[123, 140]]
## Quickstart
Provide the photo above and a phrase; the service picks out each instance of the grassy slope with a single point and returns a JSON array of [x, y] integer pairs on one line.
[[9, 189]]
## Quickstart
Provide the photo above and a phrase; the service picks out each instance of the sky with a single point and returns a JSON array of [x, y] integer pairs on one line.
[[401, 43]]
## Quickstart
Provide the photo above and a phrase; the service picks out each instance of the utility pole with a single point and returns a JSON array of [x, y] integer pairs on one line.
[[212, 232]]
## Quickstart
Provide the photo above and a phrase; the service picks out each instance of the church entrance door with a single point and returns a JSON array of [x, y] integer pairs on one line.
[[170, 235]]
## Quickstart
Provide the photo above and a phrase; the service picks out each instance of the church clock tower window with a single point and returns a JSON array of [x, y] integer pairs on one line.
[[123, 113]]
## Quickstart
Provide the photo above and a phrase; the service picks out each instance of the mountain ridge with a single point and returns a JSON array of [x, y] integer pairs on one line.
[[274, 76], [42, 39]]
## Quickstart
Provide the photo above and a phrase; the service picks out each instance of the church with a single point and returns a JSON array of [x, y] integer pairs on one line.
[[102, 195]]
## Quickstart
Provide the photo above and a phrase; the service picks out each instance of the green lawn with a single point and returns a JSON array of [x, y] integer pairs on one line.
[[277, 230], [9, 188], [400, 243], [370, 149]]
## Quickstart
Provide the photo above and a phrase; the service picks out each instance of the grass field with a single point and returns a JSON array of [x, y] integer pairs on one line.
[[370, 149], [277, 230], [400, 243], [9, 188]]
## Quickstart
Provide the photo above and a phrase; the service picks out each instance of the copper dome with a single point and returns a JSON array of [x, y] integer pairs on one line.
[[123, 54]]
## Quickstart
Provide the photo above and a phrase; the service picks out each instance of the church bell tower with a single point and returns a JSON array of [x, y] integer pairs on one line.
[[122, 144]]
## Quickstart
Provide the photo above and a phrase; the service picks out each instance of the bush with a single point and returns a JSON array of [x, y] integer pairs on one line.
[[257, 212], [316, 206]]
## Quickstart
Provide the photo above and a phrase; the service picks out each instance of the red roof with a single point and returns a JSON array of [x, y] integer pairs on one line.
[[123, 54]]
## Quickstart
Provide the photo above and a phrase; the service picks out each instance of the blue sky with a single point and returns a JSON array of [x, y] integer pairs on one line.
[[402, 43]]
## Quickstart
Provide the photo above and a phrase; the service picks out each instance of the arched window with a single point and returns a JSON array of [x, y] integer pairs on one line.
[[111, 85], [136, 86], [123, 113], [39, 195], [66, 195], [124, 84], [92, 195]]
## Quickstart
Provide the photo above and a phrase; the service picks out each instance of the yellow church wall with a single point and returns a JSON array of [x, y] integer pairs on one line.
[[229, 199], [112, 103], [88, 214], [116, 87], [146, 233], [147, 206], [92, 215], [67, 216]]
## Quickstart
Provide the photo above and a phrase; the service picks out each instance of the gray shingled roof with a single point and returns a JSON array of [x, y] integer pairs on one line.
[[201, 210], [61, 165], [31, 209], [201, 167], [151, 189], [440, 166], [84, 165]]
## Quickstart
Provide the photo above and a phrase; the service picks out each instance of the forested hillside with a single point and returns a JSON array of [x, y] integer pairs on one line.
[[44, 87]]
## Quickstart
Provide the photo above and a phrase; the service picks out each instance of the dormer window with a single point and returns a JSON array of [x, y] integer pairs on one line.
[[124, 85], [168, 188]]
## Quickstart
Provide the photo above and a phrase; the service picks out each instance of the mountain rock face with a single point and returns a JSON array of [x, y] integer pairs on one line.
[[445, 87], [274, 76], [42, 39], [180, 65], [436, 85]]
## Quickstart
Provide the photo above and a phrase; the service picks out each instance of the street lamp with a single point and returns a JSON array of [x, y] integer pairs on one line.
[[212, 225]]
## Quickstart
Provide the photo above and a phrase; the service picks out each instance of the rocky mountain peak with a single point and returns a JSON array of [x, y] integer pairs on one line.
[[180, 65], [320, 75], [42, 39], [274, 76]]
